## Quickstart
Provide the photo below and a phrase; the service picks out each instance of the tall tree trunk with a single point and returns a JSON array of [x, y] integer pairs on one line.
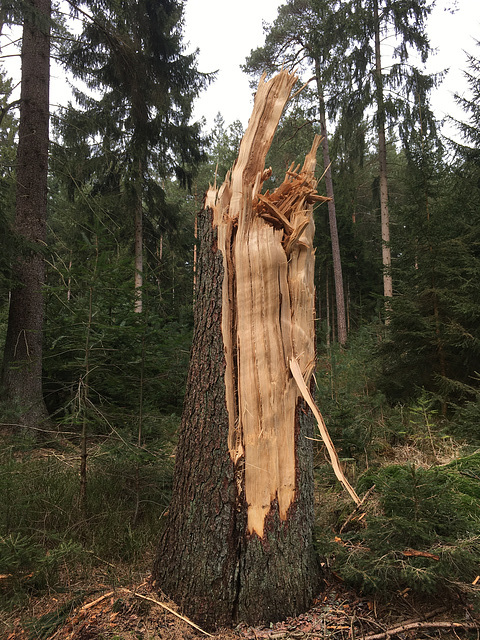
[[332, 217], [238, 543], [382, 158], [22, 364]]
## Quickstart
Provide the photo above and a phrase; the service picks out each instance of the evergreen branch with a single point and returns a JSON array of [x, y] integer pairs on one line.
[[4, 110]]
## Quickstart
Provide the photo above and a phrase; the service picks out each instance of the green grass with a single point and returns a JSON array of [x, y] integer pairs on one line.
[[44, 526]]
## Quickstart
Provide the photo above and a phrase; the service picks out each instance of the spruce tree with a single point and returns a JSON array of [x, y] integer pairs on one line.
[[22, 363], [131, 53], [470, 130], [433, 337]]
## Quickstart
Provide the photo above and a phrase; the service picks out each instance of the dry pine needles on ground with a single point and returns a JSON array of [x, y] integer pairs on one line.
[[138, 612]]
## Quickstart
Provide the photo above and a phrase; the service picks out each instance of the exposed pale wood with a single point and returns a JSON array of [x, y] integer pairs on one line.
[[268, 304], [89, 605], [297, 374]]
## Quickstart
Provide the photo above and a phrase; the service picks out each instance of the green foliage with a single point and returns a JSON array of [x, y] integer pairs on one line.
[[425, 535], [8, 131], [44, 526], [470, 151], [30, 568], [465, 422], [126, 363], [222, 150], [433, 339], [134, 56], [347, 397]]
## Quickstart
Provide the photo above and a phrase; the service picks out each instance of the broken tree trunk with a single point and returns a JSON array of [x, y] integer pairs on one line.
[[238, 544]]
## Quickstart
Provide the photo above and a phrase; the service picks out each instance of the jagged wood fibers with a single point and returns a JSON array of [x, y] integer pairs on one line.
[[268, 307], [238, 544]]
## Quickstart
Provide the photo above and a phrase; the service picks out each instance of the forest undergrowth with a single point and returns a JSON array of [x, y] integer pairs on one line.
[[414, 538]]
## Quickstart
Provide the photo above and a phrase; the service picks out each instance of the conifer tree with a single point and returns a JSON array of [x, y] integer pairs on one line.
[[470, 130], [310, 34], [22, 363], [433, 337], [132, 54]]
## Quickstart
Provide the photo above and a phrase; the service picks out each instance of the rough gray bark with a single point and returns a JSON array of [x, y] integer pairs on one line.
[[22, 365], [207, 562]]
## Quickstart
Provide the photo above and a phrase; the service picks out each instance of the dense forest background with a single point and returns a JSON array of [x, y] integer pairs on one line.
[[398, 369]]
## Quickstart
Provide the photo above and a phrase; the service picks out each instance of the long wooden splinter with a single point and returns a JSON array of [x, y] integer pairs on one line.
[[297, 374]]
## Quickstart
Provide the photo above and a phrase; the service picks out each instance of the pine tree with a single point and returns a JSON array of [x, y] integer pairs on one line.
[[310, 33]]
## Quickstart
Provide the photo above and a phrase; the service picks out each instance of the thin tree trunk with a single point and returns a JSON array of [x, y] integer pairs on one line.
[[83, 399], [382, 158], [238, 544], [139, 241], [332, 217], [85, 389], [195, 233], [22, 363], [139, 433], [327, 308], [348, 305]]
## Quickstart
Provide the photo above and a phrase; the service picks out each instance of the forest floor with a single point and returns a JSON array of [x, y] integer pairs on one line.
[[116, 601], [132, 612]]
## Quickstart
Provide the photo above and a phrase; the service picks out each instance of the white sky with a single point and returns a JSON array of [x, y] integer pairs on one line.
[[226, 32]]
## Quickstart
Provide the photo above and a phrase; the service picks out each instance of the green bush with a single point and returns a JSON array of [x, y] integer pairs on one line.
[[434, 513], [28, 567], [466, 421]]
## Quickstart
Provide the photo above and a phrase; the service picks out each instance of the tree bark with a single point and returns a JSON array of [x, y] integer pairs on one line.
[[382, 158], [22, 364], [238, 544], [332, 217], [138, 307]]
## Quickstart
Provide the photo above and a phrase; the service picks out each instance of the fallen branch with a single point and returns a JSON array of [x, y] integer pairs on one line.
[[423, 625], [170, 610], [94, 602], [426, 616]]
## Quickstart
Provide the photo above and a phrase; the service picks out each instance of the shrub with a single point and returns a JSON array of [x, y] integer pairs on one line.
[[425, 536]]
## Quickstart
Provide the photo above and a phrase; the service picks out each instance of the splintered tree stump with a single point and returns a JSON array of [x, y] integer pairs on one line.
[[238, 542]]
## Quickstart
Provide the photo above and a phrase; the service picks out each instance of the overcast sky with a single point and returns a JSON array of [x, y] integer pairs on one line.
[[226, 32]]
